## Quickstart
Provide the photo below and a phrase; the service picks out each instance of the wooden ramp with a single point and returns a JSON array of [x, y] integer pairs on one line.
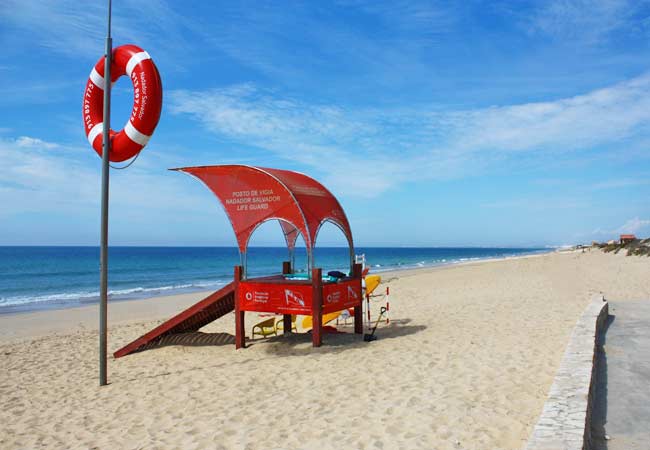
[[193, 318]]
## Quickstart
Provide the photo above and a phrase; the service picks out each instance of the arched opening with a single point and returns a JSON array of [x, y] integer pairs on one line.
[[332, 251], [300, 262], [267, 249]]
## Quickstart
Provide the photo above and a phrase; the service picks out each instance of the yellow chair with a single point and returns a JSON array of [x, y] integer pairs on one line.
[[371, 283], [307, 322], [265, 328], [279, 324]]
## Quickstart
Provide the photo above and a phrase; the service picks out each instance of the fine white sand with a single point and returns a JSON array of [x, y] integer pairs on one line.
[[466, 362]]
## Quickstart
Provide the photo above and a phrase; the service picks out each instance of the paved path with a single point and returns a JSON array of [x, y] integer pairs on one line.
[[622, 403]]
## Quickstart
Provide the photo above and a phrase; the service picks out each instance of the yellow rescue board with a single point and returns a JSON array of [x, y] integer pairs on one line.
[[372, 281], [307, 323]]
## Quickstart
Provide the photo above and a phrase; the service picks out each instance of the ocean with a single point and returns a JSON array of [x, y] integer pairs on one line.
[[33, 278]]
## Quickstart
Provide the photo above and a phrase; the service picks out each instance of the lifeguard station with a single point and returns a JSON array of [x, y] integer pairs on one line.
[[250, 197]]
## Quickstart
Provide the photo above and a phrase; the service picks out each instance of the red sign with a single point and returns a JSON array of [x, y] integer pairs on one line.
[[282, 298], [341, 295], [290, 298]]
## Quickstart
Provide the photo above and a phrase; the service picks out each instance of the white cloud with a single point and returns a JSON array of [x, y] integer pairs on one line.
[[539, 204], [583, 121], [73, 28], [30, 142], [419, 144], [621, 183], [36, 178], [588, 21], [45, 178], [634, 225], [36, 93], [317, 136], [428, 16]]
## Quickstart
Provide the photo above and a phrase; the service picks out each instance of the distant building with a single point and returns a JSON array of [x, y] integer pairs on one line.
[[625, 238], [611, 242]]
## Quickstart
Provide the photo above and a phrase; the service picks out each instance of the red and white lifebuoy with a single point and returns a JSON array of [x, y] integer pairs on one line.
[[147, 102]]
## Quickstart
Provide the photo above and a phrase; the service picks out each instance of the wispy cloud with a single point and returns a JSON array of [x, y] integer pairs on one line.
[[51, 178], [37, 93], [359, 41], [634, 225], [418, 144], [318, 136], [37, 176], [622, 183], [432, 17], [77, 28], [583, 121], [539, 204], [30, 142], [589, 21]]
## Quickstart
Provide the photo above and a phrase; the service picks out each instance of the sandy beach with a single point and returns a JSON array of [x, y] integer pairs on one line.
[[466, 362]]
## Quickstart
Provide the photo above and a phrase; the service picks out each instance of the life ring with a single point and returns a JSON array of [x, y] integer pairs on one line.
[[147, 102]]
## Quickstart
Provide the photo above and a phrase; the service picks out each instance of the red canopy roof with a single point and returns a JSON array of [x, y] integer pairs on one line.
[[254, 195]]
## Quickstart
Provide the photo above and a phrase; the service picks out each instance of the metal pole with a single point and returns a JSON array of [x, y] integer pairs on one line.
[[103, 252], [310, 262]]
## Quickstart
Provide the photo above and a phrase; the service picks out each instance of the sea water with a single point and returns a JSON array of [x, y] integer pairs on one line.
[[60, 277]]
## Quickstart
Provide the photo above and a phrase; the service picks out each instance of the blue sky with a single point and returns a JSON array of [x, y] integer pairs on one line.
[[435, 123]]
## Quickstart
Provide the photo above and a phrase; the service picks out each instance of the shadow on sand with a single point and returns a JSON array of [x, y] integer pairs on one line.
[[294, 344], [599, 407], [300, 344], [290, 344], [192, 339]]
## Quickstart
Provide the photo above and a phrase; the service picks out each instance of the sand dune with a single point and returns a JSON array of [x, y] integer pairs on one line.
[[466, 362]]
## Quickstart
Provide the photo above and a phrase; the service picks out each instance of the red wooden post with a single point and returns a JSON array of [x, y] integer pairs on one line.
[[317, 307], [240, 332], [286, 318], [358, 310]]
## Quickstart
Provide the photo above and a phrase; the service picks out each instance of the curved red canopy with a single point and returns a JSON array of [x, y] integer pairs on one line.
[[253, 195]]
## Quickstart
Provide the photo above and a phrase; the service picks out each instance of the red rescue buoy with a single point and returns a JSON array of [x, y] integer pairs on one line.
[[147, 102]]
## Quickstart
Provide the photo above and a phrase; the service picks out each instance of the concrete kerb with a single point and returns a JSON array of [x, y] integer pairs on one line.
[[565, 422]]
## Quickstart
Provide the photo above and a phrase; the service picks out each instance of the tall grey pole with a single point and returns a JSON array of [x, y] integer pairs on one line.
[[103, 251]]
